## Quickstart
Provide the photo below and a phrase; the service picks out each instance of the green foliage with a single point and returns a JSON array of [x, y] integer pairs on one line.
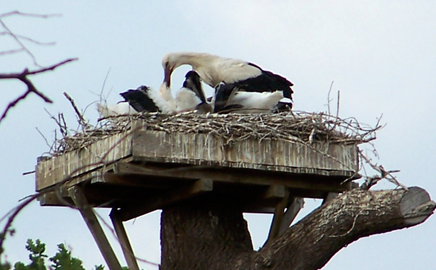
[[62, 260], [37, 256]]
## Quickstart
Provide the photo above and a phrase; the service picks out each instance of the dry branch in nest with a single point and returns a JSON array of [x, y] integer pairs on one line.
[[297, 126], [302, 127]]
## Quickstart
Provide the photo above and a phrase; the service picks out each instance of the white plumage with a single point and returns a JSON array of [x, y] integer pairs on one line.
[[186, 100], [114, 109], [249, 100], [144, 98], [246, 76], [211, 68]]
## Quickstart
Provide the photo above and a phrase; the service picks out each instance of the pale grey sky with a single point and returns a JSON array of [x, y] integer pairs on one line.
[[380, 54]]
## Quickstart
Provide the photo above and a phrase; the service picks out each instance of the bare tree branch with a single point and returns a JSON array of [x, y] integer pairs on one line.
[[27, 72], [30, 87]]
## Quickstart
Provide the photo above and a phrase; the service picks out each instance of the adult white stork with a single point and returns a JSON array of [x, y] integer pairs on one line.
[[244, 75]]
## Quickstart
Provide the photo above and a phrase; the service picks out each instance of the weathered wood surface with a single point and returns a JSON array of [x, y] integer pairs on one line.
[[85, 160], [95, 228], [124, 240], [199, 149], [285, 156]]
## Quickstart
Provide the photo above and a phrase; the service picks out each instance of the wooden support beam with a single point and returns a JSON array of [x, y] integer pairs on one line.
[[277, 219], [124, 240], [97, 232], [295, 205], [330, 196], [321, 184], [275, 191], [157, 202]]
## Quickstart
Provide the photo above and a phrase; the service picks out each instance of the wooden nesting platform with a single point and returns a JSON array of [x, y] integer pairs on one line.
[[140, 170]]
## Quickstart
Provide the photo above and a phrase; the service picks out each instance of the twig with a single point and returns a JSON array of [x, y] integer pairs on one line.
[[82, 121], [18, 38], [28, 39], [383, 174], [16, 12], [328, 97], [29, 172], [11, 51], [45, 139], [20, 43]]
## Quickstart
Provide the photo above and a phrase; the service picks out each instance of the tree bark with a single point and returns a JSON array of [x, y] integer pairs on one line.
[[203, 234], [207, 235]]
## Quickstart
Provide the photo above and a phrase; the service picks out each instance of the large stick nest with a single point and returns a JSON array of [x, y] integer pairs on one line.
[[302, 127]]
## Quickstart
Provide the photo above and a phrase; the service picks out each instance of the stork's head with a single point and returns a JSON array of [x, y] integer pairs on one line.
[[193, 83], [169, 63]]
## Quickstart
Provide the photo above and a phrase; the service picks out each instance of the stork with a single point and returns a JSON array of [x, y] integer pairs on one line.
[[146, 99], [244, 75], [191, 95], [228, 97]]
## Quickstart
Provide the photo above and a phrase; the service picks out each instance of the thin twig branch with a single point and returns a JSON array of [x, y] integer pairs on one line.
[[16, 12], [11, 51], [28, 39], [26, 72], [82, 121], [19, 42]]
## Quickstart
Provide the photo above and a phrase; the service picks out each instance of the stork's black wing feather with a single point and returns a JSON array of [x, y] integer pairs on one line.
[[139, 99], [267, 81], [223, 92]]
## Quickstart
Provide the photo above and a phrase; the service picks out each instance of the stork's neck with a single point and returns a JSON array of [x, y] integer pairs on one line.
[[196, 60], [203, 63]]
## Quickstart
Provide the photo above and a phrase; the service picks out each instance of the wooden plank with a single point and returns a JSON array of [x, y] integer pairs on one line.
[[277, 219], [169, 197], [291, 213], [124, 240], [240, 176], [138, 180], [53, 199], [53, 170], [286, 156], [97, 232]]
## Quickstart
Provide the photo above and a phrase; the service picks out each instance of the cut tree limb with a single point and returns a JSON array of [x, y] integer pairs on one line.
[[210, 234], [313, 241]]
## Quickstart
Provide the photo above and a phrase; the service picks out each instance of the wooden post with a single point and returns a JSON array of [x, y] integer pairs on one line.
[[97, 232], [124, 240], [294, 207], [278, 217], [330, 196]]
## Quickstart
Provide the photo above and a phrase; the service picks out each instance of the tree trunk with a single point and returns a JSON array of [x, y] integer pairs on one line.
[[203, 234], [208, 235]]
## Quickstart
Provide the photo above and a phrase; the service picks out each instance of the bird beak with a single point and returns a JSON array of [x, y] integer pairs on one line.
[[167, 75]]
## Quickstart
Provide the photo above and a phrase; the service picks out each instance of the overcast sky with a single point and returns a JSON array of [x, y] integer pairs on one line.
[[380, 54]]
